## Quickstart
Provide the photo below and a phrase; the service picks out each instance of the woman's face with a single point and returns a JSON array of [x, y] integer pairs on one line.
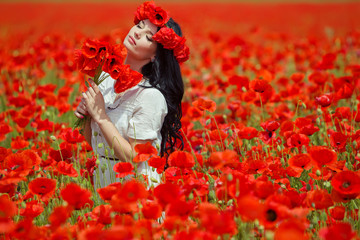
[[139, 42]]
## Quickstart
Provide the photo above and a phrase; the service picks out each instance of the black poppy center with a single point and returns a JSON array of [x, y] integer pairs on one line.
[[159, 17], [346, 184], [271, 215]]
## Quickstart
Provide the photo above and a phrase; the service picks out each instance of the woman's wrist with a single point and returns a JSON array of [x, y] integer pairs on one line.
[[104, 118]]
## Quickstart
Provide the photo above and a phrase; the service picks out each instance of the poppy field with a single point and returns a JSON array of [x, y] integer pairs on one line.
[[271, 126]]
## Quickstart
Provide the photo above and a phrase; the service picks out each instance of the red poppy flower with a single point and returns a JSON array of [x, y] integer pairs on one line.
[[8, 208], [337, 213], [107, 192], [324, 100], [180, 208], [151, 210], [44, 187], [297, 140], [301, 160], [322, 155], [32, 209], [338, 141], [219, 159], [125, 77], [143, 11], [270, 126], [319, 199], [145, 151], [239, 81], [167, 193], [215, 221], [76, 196], [102, 214], [125, 199], [346, 184], [59, 216], [181, 159], [158, 163], [297, 77], [338, 231], [291, 227], [204, 104], [66, 169], [72, 136], [247, 133], [159, 17], [259, 85], [19, 143], [123, 169]]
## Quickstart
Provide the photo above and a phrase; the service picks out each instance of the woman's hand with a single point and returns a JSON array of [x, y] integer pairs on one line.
[[94, 102], [81, 109]]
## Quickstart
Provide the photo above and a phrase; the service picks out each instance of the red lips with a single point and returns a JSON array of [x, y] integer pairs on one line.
[[132, 40]]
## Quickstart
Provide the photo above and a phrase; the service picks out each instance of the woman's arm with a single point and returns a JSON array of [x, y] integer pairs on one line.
[[95, 106]]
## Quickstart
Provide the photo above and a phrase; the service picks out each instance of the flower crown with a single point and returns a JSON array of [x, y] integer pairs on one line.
[[166, 36]]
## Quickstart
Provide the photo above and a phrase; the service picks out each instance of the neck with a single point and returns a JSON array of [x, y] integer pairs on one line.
[[135, 64]]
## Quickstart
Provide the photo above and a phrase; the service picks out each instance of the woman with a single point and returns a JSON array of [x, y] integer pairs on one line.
[[148, 112]]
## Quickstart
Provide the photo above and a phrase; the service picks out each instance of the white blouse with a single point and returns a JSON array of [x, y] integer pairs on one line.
[[139, 114]]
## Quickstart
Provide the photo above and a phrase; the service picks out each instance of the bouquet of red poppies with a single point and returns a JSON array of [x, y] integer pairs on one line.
[[96, 57]]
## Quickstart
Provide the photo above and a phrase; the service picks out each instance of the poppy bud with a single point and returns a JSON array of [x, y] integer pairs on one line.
[[230, 177], [318, 173], [154, 180], [52, 137], [208, 122], [318, 121], [96, 133], [106, 153], [308, 187], [319, 111], [191, 196], [243, 89], [100, 145]]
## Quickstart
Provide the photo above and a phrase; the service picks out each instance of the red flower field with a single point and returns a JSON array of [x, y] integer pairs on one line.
[[271, 123]]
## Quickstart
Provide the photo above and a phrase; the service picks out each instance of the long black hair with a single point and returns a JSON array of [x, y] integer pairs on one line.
[[164, 74]]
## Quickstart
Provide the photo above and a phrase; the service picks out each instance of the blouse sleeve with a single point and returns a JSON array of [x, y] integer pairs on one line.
[[148, 115]]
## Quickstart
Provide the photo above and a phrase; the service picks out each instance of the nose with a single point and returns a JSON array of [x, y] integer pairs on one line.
[[136, 35]]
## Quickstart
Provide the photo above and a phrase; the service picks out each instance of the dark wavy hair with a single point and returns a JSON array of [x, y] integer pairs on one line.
[[164, 74]]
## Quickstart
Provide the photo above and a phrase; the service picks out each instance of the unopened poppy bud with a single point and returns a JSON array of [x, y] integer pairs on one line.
[[327, 184], [308, 187], [157, 147], [208, 122], [318, 173], [230, 177], [224, 116], [212, 195], [153, 169], [96, 133], [106, 153], [303, 105], [97, 162], [318, 121], [52, 137], [230, 132], [230, 202], [191, 196], [154, 180], [319, 111], [278, 148], [269, 235], [103, 167], [221, 202], [243, 89], [354, 143], [100, 145]]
